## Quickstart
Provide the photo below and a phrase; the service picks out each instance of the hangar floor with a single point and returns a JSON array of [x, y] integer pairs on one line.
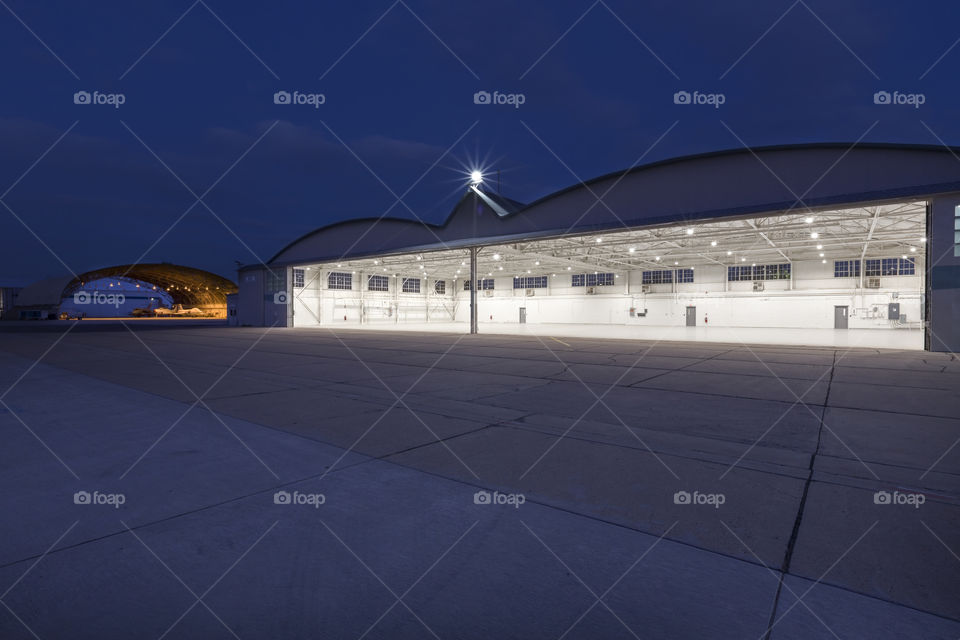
[[861, 338], [786, 455]]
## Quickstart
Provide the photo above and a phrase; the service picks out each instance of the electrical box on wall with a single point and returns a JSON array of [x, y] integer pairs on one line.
[[893, 311]]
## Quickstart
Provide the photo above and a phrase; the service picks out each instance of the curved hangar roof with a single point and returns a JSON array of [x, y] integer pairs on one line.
[[713, 185], [186, 285]]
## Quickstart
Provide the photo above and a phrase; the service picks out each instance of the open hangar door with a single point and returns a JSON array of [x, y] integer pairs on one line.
[[409, 291], [851, 276], [783, 278]]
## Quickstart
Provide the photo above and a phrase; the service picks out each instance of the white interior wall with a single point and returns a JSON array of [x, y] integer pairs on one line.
[[315, 304], [805, 302]]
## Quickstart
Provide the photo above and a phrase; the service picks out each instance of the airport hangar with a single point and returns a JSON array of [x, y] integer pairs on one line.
[[821, 244]]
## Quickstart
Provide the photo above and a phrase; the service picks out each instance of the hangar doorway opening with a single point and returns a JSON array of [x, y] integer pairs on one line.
[[417, 291], [774, 279]]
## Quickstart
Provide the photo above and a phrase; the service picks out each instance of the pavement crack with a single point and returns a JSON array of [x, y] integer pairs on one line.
[[795, 533]]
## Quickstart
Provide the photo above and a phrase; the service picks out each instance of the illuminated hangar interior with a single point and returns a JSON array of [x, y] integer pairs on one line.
[[719, 247]]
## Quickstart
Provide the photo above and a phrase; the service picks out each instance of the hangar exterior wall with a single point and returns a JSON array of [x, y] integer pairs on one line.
[[944, 273]]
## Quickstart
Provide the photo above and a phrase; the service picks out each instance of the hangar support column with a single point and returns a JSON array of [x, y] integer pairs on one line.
[[473, 289]]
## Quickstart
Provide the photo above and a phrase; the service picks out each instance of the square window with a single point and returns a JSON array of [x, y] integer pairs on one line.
[[339, 280], [378, 283]]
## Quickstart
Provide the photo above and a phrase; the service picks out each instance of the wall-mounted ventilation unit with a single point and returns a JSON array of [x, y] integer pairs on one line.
[[873, 283], [531, 292], [487, 293], [758, 285], [591, 291], [644, 288]]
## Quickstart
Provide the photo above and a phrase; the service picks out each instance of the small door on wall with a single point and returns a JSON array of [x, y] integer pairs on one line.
[[840, 317], [691, 316], [523, 315]]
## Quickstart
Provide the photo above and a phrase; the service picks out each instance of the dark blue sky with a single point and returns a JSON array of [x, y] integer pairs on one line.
[[399, 99]]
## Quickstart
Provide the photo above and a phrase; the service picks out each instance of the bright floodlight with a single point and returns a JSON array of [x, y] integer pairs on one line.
[[476, 177]]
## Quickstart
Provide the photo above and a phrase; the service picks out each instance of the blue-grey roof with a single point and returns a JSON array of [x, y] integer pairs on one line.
[[698, 187]]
